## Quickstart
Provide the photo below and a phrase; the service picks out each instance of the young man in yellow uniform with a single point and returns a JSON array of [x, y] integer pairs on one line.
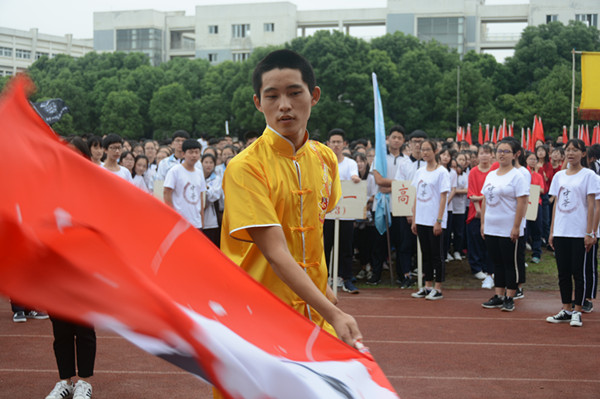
[[277, 192]]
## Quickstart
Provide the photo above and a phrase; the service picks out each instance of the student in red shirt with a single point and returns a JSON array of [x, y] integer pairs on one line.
[[481, 265]]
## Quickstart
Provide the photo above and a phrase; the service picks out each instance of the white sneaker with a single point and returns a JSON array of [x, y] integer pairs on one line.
[[488, 282], [434, 295], [480, 275], [62, 390], [527, 246], [576, 319], [457, 256], [449, 258], [83, 390]]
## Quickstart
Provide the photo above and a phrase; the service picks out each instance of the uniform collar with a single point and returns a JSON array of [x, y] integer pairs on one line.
[[283, 145]]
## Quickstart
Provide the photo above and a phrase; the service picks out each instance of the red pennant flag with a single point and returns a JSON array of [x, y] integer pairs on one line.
[[468, 138], [597, 134], [512, 129], [494, 136], [164, 287], [564, 135], [458, 134], [541, 130], [487, 133], [529, 141], [594, 138], [504, 132], [480, 136]]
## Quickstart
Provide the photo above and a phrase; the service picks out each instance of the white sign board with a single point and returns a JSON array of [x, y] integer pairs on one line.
[[158, 189], [533, 202], [402, 197], [353, 203]]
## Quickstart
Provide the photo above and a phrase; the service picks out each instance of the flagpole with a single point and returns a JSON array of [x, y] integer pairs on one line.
[[457, 97], [573, 52]]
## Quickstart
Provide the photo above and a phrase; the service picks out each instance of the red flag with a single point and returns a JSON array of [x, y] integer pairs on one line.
[[468, 138], [512, 130], [487, 133], [494, 136], [564, 135], [480, 135], [504, 133], [529, 140], [596, 133], [163, 286], [458, 134]]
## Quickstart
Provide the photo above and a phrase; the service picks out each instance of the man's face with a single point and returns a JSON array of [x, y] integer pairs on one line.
[[177, 142], [286, 101], [395, 140], [415, 146], [336, 143], [113, 152], [192, 156]]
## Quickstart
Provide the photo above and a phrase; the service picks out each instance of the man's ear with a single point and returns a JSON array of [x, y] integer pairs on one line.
[[257, 102], [316, 95]]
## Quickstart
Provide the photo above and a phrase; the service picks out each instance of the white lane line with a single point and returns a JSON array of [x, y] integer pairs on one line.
[[509, 379], [541, 318], [45, 336], [99, 371], [552, 345]]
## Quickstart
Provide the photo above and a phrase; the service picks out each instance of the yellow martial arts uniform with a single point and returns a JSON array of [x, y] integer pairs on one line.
[[270, 184]]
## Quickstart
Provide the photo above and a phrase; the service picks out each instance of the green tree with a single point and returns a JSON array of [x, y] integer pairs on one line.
[[121, 115], [171, 109]]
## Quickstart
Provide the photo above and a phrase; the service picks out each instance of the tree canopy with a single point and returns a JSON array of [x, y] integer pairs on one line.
[[123, 93]]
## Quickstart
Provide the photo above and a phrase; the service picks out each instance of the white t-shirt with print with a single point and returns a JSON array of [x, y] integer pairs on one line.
[[429, 187], [453, 184], [122, 172], [187, 192], [570, 192], [501, 193]]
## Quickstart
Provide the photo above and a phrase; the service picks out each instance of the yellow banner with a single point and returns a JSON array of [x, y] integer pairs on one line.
[[590, 86]]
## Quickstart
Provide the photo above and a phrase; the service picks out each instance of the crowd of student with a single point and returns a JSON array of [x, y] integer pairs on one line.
[[470, 203]]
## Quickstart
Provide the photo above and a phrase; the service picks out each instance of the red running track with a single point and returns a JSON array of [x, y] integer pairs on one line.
[[452, 348]]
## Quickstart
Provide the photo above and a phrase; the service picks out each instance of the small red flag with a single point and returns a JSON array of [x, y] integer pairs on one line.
[[586, 134], [565, 137], [468, 138], [487, 133], [494, 136], [480, 135]]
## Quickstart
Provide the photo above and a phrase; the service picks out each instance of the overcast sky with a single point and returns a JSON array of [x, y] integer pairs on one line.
[[59, 17]]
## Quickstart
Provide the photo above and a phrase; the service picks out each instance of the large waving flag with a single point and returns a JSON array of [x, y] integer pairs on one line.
[[589, 108], [155, 279], [383, 200]]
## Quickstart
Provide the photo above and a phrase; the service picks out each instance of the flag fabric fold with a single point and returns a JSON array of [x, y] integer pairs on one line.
[[589, 108], [383, 200], [163, 286]]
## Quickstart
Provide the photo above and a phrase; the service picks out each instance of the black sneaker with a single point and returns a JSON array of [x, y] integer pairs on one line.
[[560, 317], [588, 306], [519, 294], [508, 305], [34, 314], [494, 302], [373, 281], [19, 317], [407, 283]]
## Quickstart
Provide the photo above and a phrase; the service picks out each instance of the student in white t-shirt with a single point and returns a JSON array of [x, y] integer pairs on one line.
[[446, 160], [432, 184], [505, 194], [348, 170], [572, 232], [113, 145], [184, 185]]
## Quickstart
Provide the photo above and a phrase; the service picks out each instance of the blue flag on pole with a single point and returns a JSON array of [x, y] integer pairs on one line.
[[380, 161]]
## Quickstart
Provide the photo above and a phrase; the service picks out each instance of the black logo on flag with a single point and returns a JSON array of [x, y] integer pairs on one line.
[[51, 110]]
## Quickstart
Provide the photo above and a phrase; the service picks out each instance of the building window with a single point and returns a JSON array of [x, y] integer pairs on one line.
[[551, 18], [40, 54], [446, 30], [19, 53], [237, 57], [240, 30], [5, 52], [270, 27], [588, 19], [212, 57], [213, 29]]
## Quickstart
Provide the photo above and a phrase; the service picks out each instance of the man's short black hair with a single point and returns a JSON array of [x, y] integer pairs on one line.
[[111, 138], [417, 134], [336, 132], [190, 144], [251, 134], [397, 128], [281, 59], [181, 133]]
